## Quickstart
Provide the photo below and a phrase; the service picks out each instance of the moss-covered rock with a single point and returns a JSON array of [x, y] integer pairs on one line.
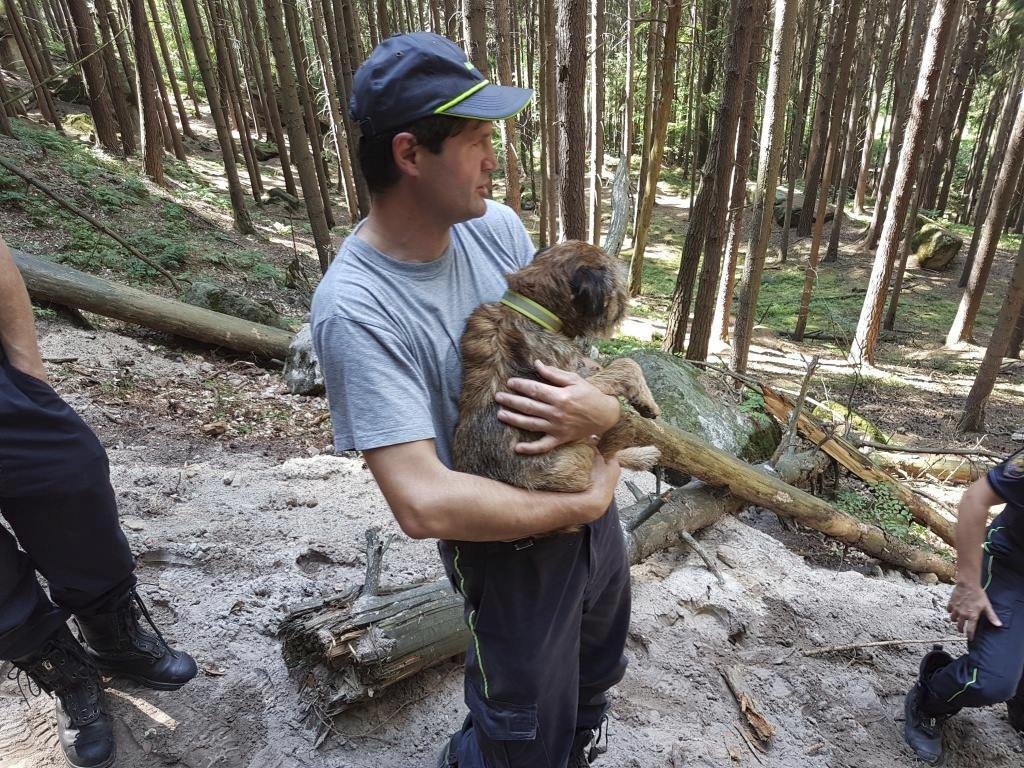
[[934, 247], [220, 299], [745, 430]]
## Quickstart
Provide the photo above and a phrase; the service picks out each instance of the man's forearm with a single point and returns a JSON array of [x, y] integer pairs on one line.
[[970, 537], [17, 325], [472, 508]]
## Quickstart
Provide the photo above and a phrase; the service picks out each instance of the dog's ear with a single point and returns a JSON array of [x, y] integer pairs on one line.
[[589, 291]]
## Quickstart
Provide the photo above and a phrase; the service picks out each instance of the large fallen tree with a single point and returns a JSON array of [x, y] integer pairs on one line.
[[70, 287], [357, 643]]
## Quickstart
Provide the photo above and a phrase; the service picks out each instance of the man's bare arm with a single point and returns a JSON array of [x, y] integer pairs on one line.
[[969, 602], [431, 501], [17, 325]]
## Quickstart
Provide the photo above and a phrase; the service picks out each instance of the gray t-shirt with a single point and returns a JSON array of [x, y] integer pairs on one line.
[[387, 332]]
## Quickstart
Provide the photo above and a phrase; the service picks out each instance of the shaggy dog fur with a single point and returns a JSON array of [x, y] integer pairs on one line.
[[583, 286]]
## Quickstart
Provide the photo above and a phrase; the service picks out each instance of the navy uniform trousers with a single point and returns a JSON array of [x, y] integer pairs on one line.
[[56, 497], [548, 618], [992, 669]]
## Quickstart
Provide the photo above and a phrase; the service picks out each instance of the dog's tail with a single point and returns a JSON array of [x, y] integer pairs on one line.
[[638, 458]]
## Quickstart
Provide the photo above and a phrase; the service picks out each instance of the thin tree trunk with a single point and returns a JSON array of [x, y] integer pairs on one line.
[[974, 169], [186, 129], [659, 128], [296, 131], [149, 97], [555, 169], [902, 97], [973, 418], [179, 44], [33, 66], [509, 131], [650, 102], [571, 55], [738, 196], [940, 29], [769, 161], [475, 20], [597, 86], [1009, 165], [892, 20], [39, 37], [201, 50], [707, 216], [351, 52], [99, 96], [1017, 338], [119, 91]]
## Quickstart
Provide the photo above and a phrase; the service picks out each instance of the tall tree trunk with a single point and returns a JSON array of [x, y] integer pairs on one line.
[[969, 192], [907, 71], [627, 99], [346, 182], [796, 141], [993, 169], [186, 129], [509, 131], [991, 227], [179, 44], [33, 67], [892, 20], [836, 137], [547, 207], [973, 418], [823, 111], [650, 102], [738, 196], [201, 50], [475, 20], [974, 41], [274, 15], [713, 12], [351, 50], [300, 58], [555, 169], [769, 161], [1017, 337], [571, 56], [943, 21], [149, 97], [707, 217], [659, 128], [39, 36], [172, 136], [597, 86], [117, 85], [99, 95]]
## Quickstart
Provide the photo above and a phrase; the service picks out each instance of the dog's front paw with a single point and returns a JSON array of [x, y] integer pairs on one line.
[[645, 406]]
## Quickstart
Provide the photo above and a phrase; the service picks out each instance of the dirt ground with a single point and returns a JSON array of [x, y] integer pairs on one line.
[[233, 528]]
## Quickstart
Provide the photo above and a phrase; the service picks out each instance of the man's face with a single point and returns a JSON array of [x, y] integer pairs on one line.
[[456, 181]]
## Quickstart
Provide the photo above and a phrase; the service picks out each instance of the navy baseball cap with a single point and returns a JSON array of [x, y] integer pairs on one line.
[[411, 76]]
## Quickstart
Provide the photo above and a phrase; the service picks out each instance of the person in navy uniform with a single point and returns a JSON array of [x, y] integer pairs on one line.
[[55, 495], [988, 605]]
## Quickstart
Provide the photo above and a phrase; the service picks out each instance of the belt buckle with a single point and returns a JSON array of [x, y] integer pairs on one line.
[[520, 544]]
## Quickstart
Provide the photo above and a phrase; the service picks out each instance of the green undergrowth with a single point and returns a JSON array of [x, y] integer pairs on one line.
[[878, 505]]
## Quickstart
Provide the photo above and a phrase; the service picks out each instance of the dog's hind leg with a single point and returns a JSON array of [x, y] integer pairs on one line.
[[641, 458]]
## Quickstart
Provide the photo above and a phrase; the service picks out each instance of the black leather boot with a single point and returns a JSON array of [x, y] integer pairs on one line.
[[923, 731], [62, 669], [118, 645]]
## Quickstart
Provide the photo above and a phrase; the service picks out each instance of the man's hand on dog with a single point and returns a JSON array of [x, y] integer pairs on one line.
[[567, 410]]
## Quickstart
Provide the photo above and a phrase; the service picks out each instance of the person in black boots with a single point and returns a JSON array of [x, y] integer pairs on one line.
[[988, 605], [55, 495]]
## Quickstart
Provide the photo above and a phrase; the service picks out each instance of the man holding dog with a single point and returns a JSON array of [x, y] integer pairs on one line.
[[548, 614]]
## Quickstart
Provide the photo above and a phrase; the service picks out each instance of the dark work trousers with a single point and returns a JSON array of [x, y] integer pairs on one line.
[[55, 494], [991, 670], [549, 618]]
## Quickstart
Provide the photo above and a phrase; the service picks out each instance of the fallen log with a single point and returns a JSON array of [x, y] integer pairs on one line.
[[70, 287], [948, 465], [682, 450], [847, 454]]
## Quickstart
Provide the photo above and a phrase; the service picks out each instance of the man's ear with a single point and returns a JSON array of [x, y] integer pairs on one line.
[[403, 149]]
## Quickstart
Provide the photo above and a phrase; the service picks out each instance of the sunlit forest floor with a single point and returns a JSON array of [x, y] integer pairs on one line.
[[242, 520]]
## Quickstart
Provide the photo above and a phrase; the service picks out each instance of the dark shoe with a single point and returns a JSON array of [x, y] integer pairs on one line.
[[589, 746], [923, 731], [1015, 713], [118, 645], [447, 758], [62, 669]]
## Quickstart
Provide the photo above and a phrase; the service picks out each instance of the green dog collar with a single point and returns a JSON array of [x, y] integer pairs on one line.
[[531, 309]]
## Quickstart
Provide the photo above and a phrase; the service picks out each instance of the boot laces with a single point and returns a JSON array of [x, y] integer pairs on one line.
[[25, 680], [597, 746]]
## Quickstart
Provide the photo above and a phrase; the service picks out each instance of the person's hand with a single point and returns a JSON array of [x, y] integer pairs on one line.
[[967, 605], [567, 410], [604, 477]]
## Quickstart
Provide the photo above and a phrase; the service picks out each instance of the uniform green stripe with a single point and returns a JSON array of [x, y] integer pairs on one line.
[[972, 681], [471, 623]]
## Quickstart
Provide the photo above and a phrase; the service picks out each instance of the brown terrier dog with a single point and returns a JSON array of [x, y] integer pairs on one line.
[[569, 290]]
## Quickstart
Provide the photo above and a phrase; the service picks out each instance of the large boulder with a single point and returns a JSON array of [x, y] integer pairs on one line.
[[220, 299], [934, 247], [779, 211], [302, 374], [745, 431]]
